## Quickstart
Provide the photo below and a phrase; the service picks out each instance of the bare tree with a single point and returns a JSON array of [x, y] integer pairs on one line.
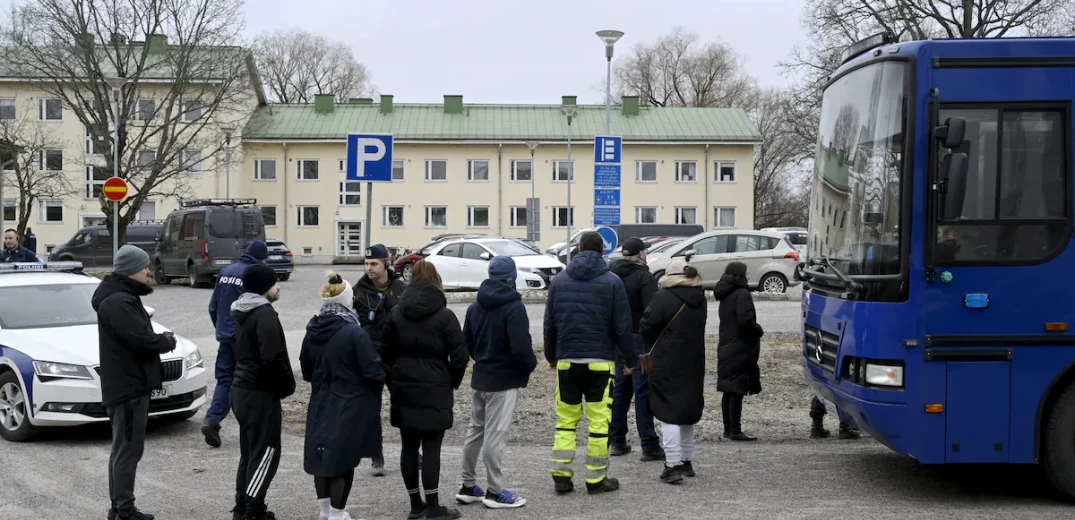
[[295, 65], [33, 153], [184, 83], [777, 161]]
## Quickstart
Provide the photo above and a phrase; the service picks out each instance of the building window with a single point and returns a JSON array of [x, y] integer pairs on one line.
[[518, 216], [478, 171], [646, 171], [192, 160], [562, 171], [724, 171], [724, 217], [51, 211], [563, 217], [397, 170], [9, 210], [522, 171], [192, 111], [7, 109], [686, 171], [686, 215], [146, 158], [95, 181], [309, 216], [146, 110], [392, 215], [350, 193], [148, 210], [51, 160], [265, 170], [307, 170], [268, 214], [478, 216], [646, 215], [96, 139], [436, 216], [51, 110], [343, 165], [437, 171]]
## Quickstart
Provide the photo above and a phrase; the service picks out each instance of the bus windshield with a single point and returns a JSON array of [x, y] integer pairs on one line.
[[855, 205]]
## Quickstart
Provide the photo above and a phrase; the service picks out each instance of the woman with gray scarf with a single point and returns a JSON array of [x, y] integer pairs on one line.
[[343, 423]]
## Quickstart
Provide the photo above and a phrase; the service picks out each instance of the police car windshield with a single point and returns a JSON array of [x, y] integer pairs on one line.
[[44, 306]]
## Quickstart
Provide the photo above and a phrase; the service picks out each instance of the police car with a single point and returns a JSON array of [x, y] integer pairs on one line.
[[49, 359]]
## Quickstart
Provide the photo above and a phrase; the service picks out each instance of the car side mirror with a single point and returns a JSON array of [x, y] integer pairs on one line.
[[486, 256], [150, 310], [688, 254], [952, 132]]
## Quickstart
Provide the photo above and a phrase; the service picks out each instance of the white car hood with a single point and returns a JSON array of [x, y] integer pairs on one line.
[[77, 345], [537, 261]]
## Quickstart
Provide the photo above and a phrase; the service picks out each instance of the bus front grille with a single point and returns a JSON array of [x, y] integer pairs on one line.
[[819, 348]]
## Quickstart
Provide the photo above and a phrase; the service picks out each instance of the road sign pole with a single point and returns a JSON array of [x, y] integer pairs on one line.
[[115, 230], [369, 215]]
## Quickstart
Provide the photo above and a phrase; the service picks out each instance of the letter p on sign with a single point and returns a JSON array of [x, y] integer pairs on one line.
[[369, 157]]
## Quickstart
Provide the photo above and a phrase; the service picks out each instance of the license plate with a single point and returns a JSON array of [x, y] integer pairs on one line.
[[163, 393], [276, 257], [224, 262]]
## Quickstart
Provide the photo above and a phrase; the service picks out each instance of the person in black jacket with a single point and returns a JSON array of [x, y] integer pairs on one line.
[[675, 324], [640, 286], [130, 370], [263, 377], [343, 421], [13, 252], [497, 333], [376, 294], [424, 345], [738, 373]]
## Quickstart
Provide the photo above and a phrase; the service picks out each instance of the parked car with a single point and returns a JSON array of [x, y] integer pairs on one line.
[[92, 245], [281, 260], [650, 243], [404, 264], [799, 238], [664, 246], [464, 263], [625, 231], [770, 258], [203, 237]]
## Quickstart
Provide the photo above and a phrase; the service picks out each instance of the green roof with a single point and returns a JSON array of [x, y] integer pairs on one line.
[[498, 122]]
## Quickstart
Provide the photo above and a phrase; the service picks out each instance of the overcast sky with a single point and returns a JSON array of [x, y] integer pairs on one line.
[[524, 51]]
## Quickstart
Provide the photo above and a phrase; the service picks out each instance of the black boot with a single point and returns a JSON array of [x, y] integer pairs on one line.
[[617, 449], [686, 468], [848, 433], [671, 475], [563, 485], [735, 409], [607, 485], [819, 432]]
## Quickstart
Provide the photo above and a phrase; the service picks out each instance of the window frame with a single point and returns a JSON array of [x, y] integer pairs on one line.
[[716, 172], [429, 170], [656, 171], [638, 214], [13, 103], [301, 173], [679, 177], [42, 110], [470, 170], [556, 171], [470, 217], [43, 207], [139, 115], [184, 110], [275, 216], [402, 170], [89, 183], [679, 214], [299, 220], [515, 170], [716, 217], [14, 205], [344, 193], [402, 219], [43, 160], [935, 152], [513, 220], [429, 217], [257, 170], [570, 217], [90, 139], [198, 166]]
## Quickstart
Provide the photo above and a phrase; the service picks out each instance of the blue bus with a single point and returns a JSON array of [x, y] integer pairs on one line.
[[941, 280]]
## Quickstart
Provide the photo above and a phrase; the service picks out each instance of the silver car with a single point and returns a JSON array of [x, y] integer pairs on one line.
[[769, 257]]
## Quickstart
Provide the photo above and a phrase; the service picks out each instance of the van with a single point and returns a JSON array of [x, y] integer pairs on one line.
[[203, 237], [92, 245]]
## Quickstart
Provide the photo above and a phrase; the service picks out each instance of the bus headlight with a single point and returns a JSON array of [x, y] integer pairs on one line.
[[884, 375]]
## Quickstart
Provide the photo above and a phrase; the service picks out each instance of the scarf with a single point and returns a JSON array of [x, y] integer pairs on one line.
[[342, 311]]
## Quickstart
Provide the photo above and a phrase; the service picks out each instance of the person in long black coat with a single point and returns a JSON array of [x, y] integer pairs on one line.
[[424, 346], [674, 323], [343, 422], [738, 373]]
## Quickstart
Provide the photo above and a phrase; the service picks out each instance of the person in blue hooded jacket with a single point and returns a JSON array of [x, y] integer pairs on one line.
[[229, 287], [587, 318]]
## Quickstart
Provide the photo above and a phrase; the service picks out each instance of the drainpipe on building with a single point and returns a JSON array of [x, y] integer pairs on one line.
[[283, 171], [705, 180], [500, 190]]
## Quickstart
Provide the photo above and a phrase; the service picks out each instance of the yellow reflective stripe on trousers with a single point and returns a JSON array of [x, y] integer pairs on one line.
[[599, 415], [564, 444]]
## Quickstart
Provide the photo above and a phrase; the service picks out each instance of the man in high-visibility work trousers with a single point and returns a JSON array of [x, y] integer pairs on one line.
[[587, 317]]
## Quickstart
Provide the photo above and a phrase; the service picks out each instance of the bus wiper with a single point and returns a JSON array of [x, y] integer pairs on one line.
[[849, 284]]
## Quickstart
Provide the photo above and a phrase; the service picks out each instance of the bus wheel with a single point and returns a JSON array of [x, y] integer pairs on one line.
[[1059, 443]]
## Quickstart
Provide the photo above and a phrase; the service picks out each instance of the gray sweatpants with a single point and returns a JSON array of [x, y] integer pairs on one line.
[[128, 441], [490, 418]]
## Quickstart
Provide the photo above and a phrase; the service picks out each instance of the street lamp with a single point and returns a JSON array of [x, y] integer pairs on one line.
[[117, 84], [569, 111], [533, 234], [228, 131], [610, 38]]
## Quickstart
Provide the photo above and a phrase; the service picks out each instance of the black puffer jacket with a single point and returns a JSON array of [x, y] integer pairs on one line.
[[740, 338], [640, 286], [423, 345], [677, 361], [130, 351], [261, 360]]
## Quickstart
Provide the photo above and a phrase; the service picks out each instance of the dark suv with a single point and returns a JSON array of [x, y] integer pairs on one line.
[[203, 237], [92, 245], [281, 260]]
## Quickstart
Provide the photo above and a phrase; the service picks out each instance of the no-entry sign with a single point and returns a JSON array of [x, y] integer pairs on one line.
[[115, 189]]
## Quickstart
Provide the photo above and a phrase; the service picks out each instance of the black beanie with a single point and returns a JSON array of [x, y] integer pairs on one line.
[[258, 279]]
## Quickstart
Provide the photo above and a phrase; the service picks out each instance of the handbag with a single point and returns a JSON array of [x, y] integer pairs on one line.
[[644, 358]]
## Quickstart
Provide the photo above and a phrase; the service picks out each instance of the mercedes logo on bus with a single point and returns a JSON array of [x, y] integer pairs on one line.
[[819, 350]]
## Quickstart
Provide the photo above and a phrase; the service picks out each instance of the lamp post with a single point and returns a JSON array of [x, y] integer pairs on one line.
[[610, 38], [228, 131], [117, 84], [533, 234], [569, 111]]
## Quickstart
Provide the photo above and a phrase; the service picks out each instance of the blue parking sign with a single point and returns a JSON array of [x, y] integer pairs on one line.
[[607, 149], [369, 157]]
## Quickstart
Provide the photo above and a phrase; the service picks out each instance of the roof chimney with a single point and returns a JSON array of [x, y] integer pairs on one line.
[[157, 43], [569, 100], [324, 103], [84, 41], [119, 39], [630, 105], [453, 104], [386, 103]]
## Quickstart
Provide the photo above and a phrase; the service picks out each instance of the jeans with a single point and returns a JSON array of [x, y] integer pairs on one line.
[[225, 370], [621, 403]]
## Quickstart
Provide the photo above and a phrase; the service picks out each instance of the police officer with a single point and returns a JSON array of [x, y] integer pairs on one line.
[[13, 252]]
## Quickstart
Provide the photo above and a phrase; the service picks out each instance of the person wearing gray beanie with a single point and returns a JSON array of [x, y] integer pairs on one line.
[[129, 260]]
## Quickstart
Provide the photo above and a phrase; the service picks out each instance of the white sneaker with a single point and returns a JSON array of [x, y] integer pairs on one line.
[[506, 500]]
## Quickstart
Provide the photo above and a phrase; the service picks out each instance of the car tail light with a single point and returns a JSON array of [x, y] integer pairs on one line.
[[205, 250], [792, 255], [288, 253]]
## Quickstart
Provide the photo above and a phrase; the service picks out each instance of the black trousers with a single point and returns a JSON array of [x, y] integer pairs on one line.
[[817, 413], [128, 420], [731, 406], [336, 489], [430, 444], [260, 420]]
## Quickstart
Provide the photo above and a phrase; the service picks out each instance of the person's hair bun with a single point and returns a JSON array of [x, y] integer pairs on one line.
[[690, 271], [334, 278]]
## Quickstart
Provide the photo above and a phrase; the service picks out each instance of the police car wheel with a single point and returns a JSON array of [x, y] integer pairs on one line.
[[14, 410], [1057, 443]]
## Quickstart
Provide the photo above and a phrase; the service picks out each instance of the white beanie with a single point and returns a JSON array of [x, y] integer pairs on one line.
[[345, 298]]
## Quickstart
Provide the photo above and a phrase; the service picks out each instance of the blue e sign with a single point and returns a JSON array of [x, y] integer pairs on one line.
[[369, 157]]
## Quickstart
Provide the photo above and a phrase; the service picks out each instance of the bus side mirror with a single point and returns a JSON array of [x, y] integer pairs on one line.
[[952, 132], [954, 178]]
